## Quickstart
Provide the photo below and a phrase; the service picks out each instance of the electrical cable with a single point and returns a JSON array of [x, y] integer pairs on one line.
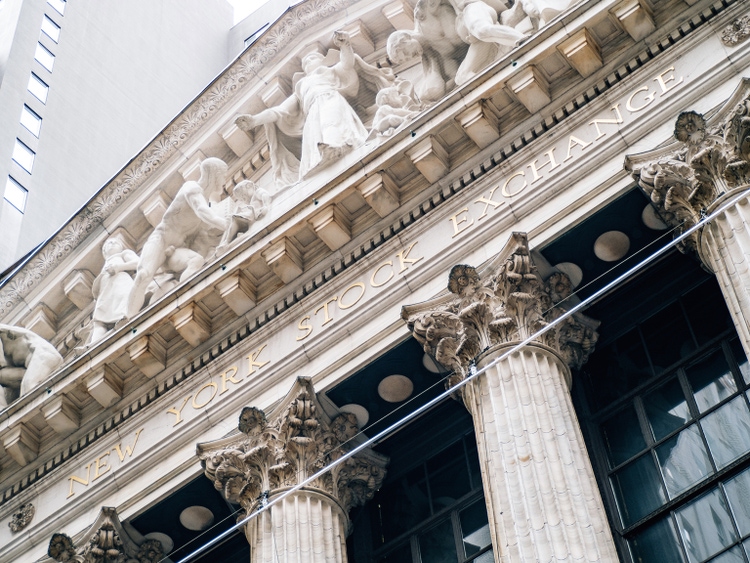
[[474, 373]]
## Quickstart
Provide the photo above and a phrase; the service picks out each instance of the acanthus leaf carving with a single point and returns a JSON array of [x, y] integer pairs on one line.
[[284, 449], [504, 303]]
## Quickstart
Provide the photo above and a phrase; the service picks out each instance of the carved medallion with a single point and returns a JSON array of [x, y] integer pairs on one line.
[[736, 32], [21, 517]]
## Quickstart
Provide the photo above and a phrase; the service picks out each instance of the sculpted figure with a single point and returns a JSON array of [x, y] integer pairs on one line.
[[26, 360], [250, 204], [112, 287], [397, 104], [318, 114], [180, 240]]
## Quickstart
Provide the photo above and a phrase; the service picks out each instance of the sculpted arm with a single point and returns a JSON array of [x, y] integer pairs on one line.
[[341, 40], [197, 202], [248, 122]]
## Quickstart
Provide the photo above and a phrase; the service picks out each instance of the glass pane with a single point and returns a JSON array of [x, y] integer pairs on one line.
[[51, 29], [475, 528], [15, 194], [23, 155], [711, 380], [58, 5], [31, 120], [734, 555], [638, 489], [44, 57], [437, 545], [683, 461], [667, 337], [449, 478], [400, 506], [622, 436], [739, 356], [486, 557], [707, 312], [474, 470], [727, 431], [666, 408], [738, 492], [705, 526], [657, 544], [38, 88], [401, 554]]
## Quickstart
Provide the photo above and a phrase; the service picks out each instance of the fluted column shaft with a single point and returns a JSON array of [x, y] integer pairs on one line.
[[542, 499], [725, 249], [305, 527]]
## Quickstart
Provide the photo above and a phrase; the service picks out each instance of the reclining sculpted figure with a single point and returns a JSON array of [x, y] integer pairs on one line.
[[26, 360]]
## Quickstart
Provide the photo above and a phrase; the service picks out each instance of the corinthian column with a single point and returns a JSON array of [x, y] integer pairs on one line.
[[274, 453], [707, 169], [542, 499]]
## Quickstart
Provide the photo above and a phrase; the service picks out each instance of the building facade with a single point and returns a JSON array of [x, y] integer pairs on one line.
[[525, 223], [73, 80]]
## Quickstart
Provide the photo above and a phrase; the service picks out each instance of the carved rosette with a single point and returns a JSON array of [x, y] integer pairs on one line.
[[506, 302], [105, 542], [296, 441], [21, 517], [736, 32], [709, 159]]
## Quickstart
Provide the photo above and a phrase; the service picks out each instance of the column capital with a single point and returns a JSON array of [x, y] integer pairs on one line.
[[105, 541], [293, 442], [709, 158], [506, 301]]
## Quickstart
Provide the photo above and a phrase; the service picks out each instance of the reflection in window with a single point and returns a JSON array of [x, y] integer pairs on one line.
[[51, 29], [15, 194], [23, 155], [31, 120], [44, 57], [38, 87]]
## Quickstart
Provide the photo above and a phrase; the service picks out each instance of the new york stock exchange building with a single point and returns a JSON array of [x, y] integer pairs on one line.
[[437, 281]]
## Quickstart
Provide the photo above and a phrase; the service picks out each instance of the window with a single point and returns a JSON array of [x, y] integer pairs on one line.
[[31, 120], [23, 155], [44, 57], [38, 87], [431, 507], [15, 194], [58, 5], [668, 406], [51, 29]]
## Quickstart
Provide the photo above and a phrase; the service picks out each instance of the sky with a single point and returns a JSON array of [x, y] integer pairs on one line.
[[243, 8]]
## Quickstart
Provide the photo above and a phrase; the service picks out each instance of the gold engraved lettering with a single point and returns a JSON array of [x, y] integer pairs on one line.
[[99, 467], [664, 81], [618, 119], [303, 324], [574, 141], [648, 99], [128, 449], [505, 192], [457, 230], [353, 303], [76, 479], [253, 359], [550, 162], [225, 377], [324, 307], [487, 202], [211, 398], [375, 273], [178, 412], [404, 261]]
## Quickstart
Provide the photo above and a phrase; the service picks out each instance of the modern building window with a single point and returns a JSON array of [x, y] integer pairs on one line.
[[31, 120], [15, 194], [669, 417], [38, 87], [44, 57], [24, 156], [51, 29], [58, 5]]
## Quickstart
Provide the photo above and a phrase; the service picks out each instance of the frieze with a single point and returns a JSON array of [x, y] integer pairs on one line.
[[225, 88]]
